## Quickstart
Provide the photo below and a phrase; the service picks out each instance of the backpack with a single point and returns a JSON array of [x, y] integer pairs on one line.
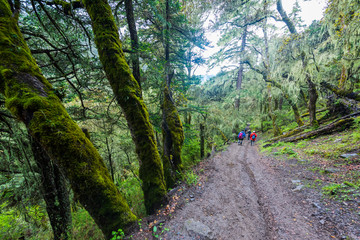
[[241, 135], [253, 137]]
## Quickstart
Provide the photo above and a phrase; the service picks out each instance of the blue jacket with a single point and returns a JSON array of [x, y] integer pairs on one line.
[[243, 134]]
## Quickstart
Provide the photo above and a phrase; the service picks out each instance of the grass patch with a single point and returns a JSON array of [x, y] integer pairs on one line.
[[343, 191], [190, 177]]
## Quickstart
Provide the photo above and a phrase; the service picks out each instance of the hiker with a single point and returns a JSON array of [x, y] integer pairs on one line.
[[241, 137], [253, 138], [248, 134]]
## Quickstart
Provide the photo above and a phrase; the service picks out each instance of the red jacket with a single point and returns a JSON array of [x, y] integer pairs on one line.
[[252, 134]]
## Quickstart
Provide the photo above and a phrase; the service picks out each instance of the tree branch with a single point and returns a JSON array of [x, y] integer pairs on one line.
[[340, 92]]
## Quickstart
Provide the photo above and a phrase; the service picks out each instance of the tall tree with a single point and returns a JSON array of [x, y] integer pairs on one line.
[[55, 193], [173, 134], [128, 95], [240, 73], [31, 98], [284, 17], [134, 40]]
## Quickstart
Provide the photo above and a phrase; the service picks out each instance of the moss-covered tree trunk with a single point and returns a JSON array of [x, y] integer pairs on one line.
[[31, 98], [173, 133], [267, 78], [128, 95], [55, 193], [173, 139], [312, 92], [313, 96]]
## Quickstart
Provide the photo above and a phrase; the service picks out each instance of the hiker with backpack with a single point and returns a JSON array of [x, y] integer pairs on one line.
[[248, 134], [253, 138], [241, 137]]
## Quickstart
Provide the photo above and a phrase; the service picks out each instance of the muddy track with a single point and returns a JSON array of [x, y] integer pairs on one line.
[[244, 198]]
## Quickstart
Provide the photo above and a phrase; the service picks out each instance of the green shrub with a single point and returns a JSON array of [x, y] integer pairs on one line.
[[344, 191], [84, 226], [191, 152], [190, 177]]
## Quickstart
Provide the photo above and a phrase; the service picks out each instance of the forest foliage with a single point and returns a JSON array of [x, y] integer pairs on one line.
[[145, 111]]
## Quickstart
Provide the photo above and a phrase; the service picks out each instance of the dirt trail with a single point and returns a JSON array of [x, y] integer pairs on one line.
[[243, 198]]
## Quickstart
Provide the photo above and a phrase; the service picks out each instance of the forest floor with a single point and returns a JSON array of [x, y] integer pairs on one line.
[[243, 194]]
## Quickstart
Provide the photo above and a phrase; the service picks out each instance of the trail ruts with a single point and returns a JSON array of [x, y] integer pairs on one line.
[[244, 199]]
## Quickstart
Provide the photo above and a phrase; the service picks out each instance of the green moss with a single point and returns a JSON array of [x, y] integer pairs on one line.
[[174, 138], [128, 95], [31, 99]]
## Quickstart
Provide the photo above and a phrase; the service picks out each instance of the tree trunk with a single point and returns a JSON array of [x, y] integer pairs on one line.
[[110, 159], [313, 96], [332, 127], [55, 193], [31, 98], [202, 140], [343, 78], [237, 103], [134, 40], [304, 98], [173, 139], [240, 74], [128, 96], [285, 17], [296, 135], [173, 134], [241, 68]]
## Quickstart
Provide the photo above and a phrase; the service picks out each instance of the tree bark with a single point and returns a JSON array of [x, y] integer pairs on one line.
[[341, 123], [55, 193], [173, 139], [241, 68], [332, 127], [285, 17], [134, 40], [110, 159], [128, 96], [313, 96], [173, 134], [267, 78], [202, 140], [31, 98]]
